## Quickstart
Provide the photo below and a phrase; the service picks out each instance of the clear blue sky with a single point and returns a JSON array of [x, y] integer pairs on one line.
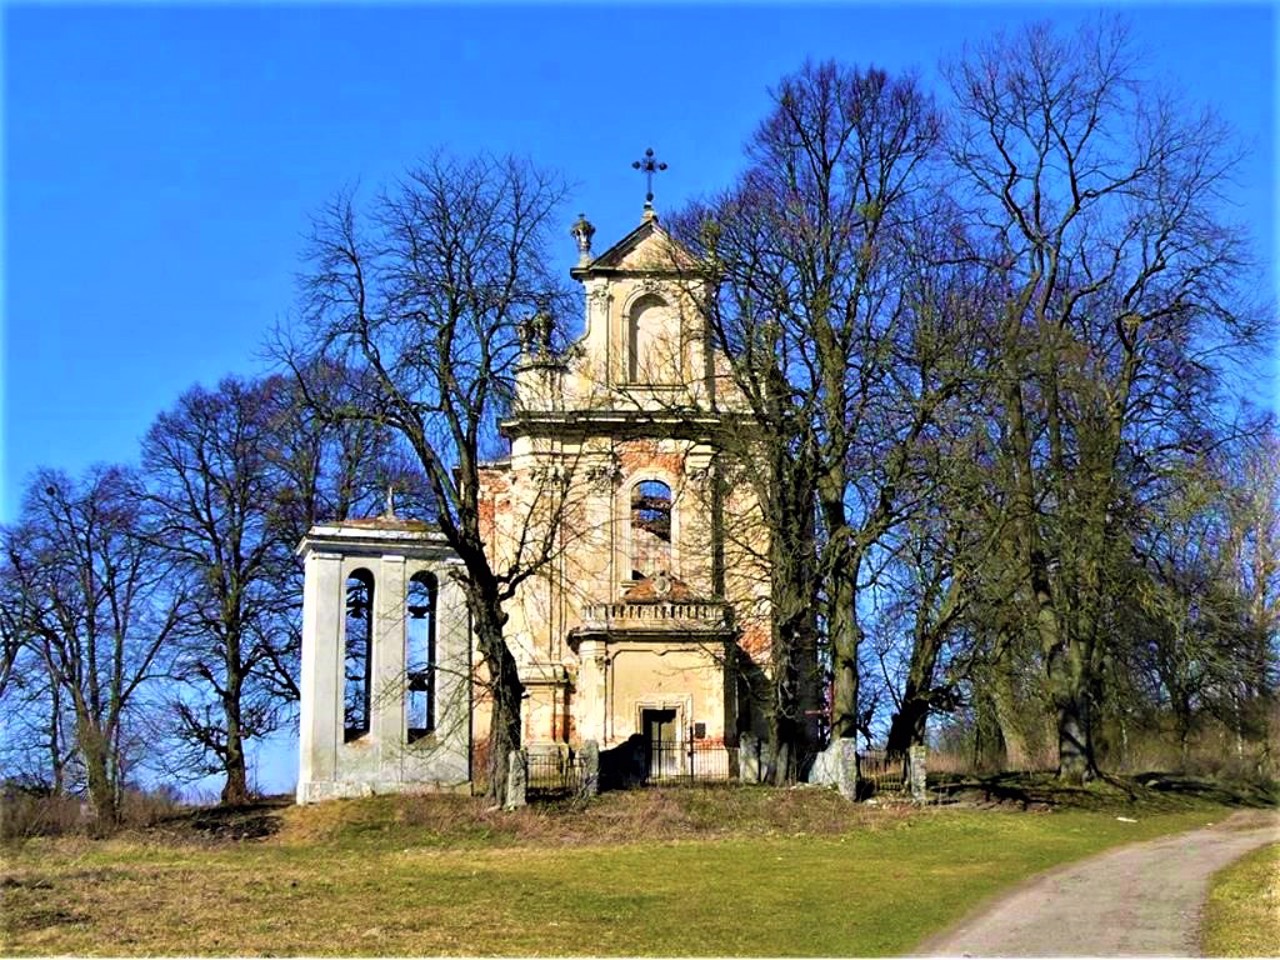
[[160, 162]]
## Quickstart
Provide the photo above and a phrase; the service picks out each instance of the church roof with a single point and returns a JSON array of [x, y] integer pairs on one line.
[[620, 257]]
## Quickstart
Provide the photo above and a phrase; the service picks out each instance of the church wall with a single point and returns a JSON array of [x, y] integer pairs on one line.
[[661, 675]]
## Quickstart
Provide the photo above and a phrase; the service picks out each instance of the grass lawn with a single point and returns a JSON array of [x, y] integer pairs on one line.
[[1242, 916], [669, 872]]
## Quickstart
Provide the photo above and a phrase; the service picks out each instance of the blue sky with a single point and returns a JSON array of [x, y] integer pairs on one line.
[[160, 161]]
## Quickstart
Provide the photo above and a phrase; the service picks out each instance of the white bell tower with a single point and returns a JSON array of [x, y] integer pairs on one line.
[[386, 662]]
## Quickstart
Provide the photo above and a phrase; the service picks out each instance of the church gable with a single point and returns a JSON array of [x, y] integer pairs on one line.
[[646, 249]]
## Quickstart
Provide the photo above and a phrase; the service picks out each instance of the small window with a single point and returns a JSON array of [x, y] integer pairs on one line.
[[420, 656], [357, 655], [650, 528]]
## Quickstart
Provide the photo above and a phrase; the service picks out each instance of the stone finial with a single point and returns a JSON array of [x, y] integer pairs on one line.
[[583, 231], [542, 325], [535, 334], [390, 513]]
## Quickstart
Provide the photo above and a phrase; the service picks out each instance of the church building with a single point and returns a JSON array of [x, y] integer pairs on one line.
[[651, 617]]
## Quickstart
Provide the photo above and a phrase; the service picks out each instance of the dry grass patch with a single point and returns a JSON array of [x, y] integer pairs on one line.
[[656, 815]]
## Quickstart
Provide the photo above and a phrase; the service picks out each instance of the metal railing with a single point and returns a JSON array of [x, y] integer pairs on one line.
[[882, 774], [553, 773], [692, 760]]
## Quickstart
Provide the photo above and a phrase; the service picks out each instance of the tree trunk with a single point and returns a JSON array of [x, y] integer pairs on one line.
[[235, 791], [1005, 704], [908, 725], [95, 751], [792, 609], [57, 758], [506, 687]]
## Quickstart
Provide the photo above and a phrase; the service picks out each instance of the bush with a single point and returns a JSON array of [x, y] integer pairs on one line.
[[34, 810], [29, 811]]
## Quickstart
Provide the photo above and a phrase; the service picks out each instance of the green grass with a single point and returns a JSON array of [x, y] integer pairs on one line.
[[678, 872], [1242, 915]]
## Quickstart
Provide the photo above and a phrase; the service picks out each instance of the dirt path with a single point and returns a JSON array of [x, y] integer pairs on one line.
[[1140, 900]]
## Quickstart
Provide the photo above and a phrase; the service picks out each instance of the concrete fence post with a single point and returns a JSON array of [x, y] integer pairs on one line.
[[590, 784], [916, 770], [517, 780]]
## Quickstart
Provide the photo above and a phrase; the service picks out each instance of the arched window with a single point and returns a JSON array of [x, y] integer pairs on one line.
[[357, 655], [653, 354], [650, 528], [420, 656]]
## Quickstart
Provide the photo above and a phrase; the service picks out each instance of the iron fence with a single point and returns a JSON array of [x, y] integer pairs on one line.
[[553, 774], [881, 774], [668, 761]]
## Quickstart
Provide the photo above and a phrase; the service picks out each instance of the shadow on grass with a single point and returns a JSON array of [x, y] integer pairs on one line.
[[250, 821], [1155, 790]]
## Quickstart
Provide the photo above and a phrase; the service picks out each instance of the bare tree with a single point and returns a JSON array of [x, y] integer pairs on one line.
[[424, 295], [101, 603], [209, 478], [1122, 305], [809, 250], [235, 476]]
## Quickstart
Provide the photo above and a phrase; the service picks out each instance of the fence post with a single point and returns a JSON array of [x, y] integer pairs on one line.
[[916, 770], [847, 767], [590, 785], [517, 780]]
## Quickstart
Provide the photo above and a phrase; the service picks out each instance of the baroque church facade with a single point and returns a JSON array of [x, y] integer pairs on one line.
[[650, 619]]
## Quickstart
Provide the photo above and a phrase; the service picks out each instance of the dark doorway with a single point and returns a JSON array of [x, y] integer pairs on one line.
[[660, 741]]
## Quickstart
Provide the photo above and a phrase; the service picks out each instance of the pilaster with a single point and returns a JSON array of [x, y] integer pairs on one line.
[[320, 714]]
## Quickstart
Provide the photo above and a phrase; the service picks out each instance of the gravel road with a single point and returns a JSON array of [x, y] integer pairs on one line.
[[1140, 900]]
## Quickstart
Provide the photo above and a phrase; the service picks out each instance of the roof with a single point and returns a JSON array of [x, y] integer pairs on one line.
[[402, 524], [616, 256]]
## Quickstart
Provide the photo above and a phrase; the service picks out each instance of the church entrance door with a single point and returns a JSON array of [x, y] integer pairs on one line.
[[661, 745]]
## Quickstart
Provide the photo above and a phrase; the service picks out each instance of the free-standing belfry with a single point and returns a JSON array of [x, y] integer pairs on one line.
[[650, 623], [386, 661]]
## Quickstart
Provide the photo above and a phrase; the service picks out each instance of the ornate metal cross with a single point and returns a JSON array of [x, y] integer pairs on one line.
[[649, 166]]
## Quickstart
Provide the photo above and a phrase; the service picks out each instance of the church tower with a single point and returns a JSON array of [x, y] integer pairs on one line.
[[654, 607]]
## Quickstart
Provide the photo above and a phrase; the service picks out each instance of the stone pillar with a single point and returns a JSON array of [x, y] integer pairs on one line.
[[847, 767], [453, 671], [387, 706], [589, 691], [320, 720], [517, 780], [590, 785], [916, 771], [750, 759]]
